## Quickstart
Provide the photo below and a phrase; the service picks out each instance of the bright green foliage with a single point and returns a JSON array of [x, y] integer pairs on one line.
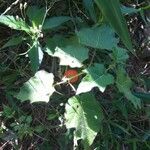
[[98, 37], [85, 115], [124, 85], [112, 13], [72, 55], [55, 22], [36, 55], [96, 77], [36, 15], [38, 88], [14, 23]]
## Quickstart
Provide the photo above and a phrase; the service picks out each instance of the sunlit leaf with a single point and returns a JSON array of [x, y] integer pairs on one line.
[[85, 115], [14, 23], [68, 51], [38, 89], [96, 76]]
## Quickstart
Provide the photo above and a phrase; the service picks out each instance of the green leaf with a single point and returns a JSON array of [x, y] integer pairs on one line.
[[71, 55], [128, 10], [52, 43], [98, 37], [36, 15], [124, 85], [38, 89], [8, 112], [85, 115], [35, 55], [96, 77], [13, 41], [112, 13], [54, 22], [144, 96], [39, 128], [89, 5], [119, 55], [14, 23]]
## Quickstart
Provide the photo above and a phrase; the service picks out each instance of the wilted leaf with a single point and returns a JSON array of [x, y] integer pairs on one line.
[[38, 89], [14, 23], [98, 37], [124, 85], [96, 77], [85, 115]]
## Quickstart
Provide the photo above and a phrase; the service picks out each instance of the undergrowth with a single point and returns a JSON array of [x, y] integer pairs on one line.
[[74, 75]]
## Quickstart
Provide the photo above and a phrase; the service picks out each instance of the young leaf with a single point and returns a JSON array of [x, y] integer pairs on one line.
[[35, 55], [38, 89], [100, 37], [36, 15], [14, 23], [112, 12], [85, 115], [96, 77], [124, 85], [55, 22]]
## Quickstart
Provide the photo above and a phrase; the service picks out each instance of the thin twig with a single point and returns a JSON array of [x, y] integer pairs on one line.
[[14, 3]]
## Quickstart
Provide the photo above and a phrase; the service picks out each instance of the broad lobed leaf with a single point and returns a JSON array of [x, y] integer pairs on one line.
[[38, 89], [112, 13], [96, 77], [69, 51], [102, 37], [85, 115]]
